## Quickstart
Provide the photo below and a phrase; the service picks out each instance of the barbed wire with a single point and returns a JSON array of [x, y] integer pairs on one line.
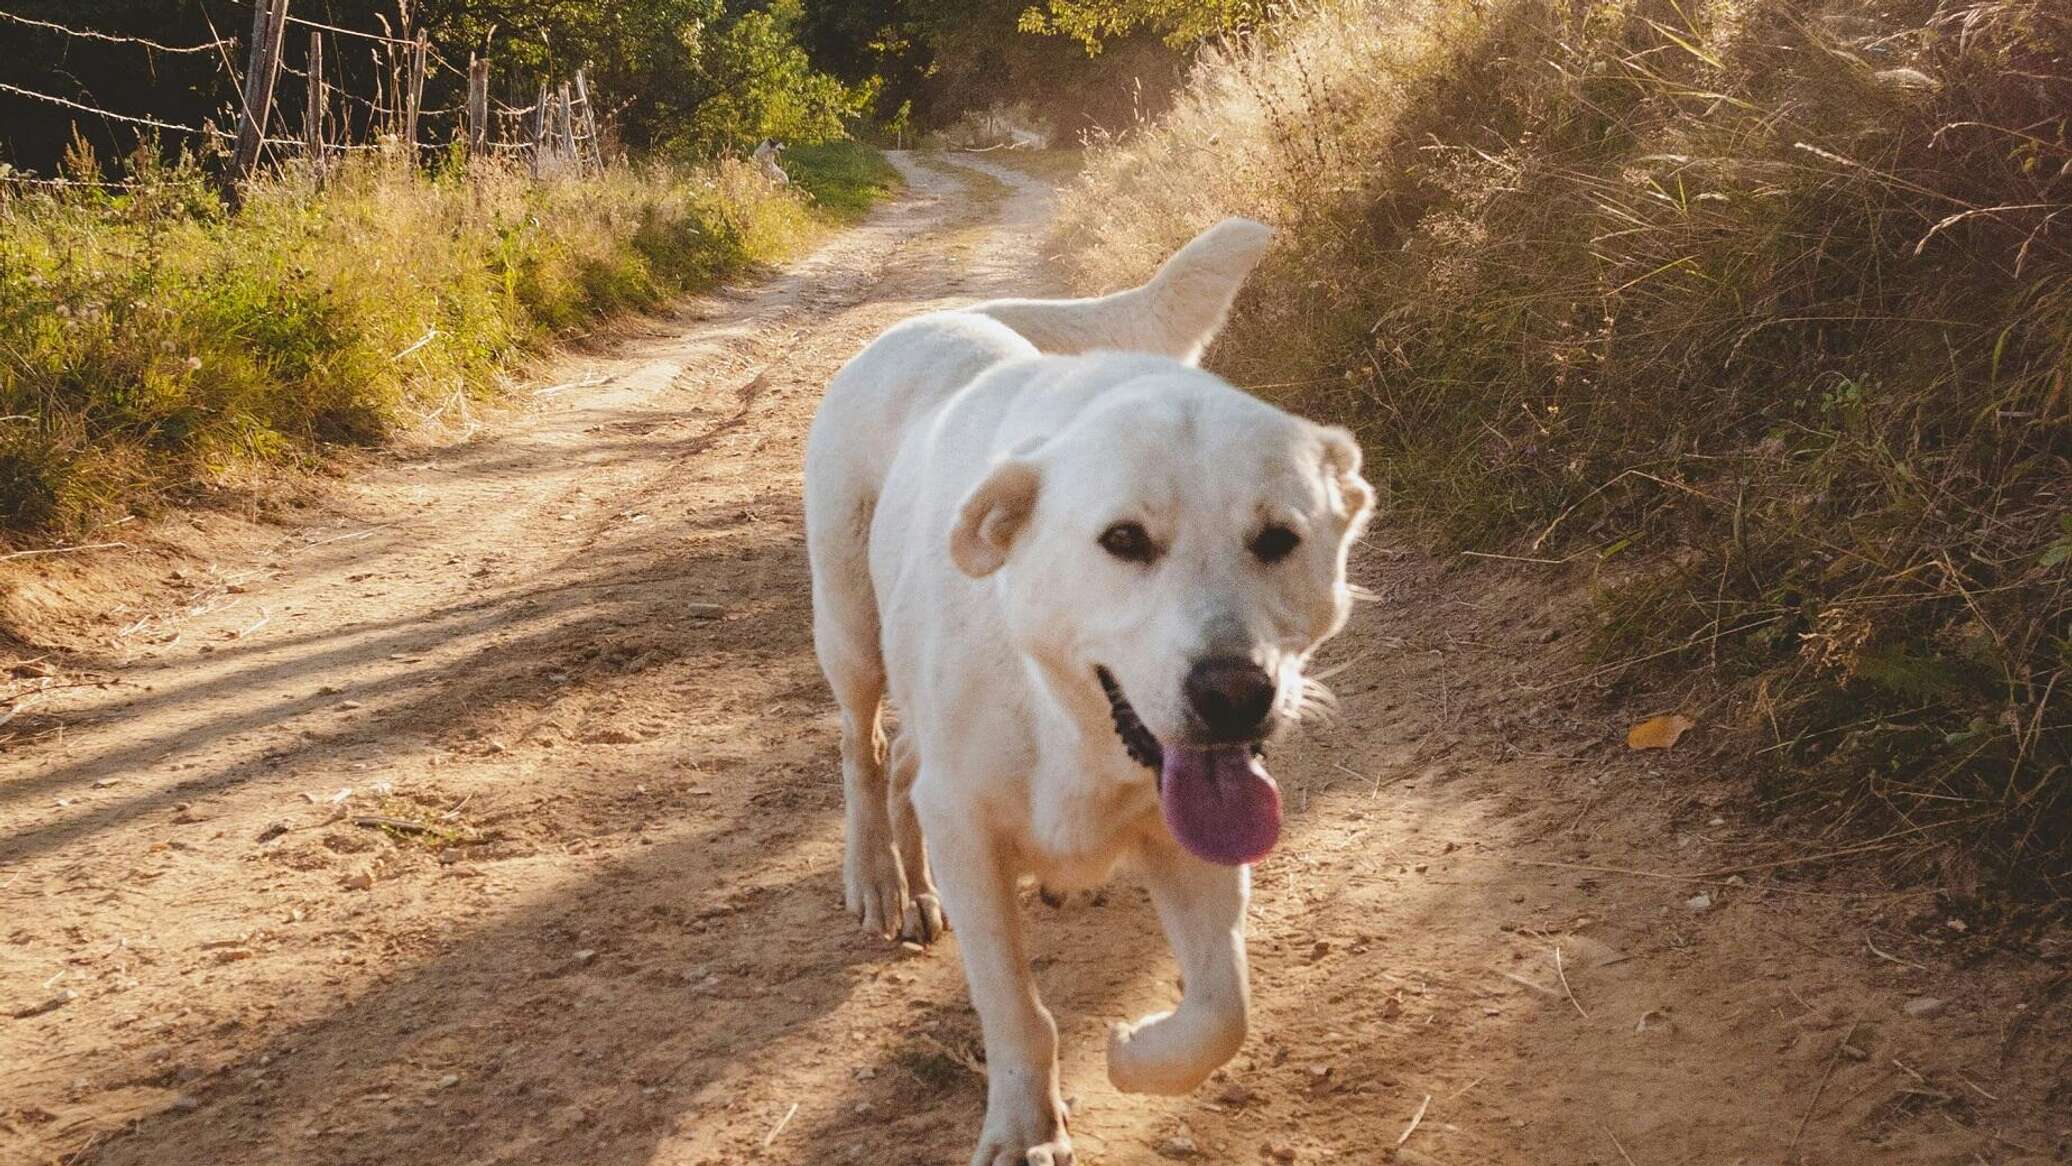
[[153, 123], [394, 40], [510, 116], [89, 34], [96, 184]]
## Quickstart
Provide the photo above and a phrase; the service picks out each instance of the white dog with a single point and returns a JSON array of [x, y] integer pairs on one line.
[[765, 158], [1088, 576]]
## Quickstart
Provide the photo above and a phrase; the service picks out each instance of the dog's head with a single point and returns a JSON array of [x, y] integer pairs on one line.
[[1169, 561]]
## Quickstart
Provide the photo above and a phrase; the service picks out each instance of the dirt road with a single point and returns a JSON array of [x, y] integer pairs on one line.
[[490, 815]]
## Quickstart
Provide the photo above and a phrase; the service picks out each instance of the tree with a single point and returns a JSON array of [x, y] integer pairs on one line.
[[762, 84], [1182, 23]]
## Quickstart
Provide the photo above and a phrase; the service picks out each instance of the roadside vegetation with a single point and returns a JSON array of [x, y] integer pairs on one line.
[[1758, 314], [154, 341]]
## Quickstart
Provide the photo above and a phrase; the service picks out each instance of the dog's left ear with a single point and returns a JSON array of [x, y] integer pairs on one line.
[[992, 516], [1342, 467]]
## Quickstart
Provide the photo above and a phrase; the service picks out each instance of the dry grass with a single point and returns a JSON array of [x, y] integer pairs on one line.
[[154, 343], [1761, 310]]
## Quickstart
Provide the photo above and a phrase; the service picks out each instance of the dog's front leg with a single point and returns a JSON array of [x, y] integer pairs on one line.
[[1202, 906], [1025, 1114]]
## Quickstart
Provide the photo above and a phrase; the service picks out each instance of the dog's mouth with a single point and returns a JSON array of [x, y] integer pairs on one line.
[[1218, 800]]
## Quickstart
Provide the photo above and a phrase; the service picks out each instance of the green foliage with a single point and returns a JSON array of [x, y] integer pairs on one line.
[[1766, 309], [1183, 23], [844, 179], [154, 341], [761, 85]]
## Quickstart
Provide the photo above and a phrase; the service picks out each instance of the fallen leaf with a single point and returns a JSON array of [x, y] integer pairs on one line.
[[1661, 732]]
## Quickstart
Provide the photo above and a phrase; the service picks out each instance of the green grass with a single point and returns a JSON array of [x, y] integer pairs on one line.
[[154, 342], [1759, 312], [845, 178]]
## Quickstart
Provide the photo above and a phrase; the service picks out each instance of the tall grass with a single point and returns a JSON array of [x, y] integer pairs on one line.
[[153, 341], [1761, 309]]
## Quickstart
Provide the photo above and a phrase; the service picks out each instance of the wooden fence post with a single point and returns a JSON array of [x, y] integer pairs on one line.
[[568, 130], [540, 120], [590, 121], [262, 73], [478, 108], [413, 98], [314, 112]]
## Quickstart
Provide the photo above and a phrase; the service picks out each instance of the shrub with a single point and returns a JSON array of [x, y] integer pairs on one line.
[[154, 340]]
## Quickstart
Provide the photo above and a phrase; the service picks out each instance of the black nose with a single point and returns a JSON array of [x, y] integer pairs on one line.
[[1230, 696]]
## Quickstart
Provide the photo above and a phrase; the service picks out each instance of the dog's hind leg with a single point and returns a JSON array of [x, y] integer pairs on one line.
[[845, 637], [1202, 907], [923, 920]]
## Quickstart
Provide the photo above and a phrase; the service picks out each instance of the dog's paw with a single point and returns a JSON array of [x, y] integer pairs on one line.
[[1018, 1143], [874, 888], [1169, 1054], [923, 921], [1058, 900]]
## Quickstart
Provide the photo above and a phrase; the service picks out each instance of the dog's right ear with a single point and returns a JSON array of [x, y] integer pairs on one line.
[[992, 516]]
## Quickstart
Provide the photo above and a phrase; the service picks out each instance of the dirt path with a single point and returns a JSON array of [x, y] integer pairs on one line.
[[581, 902]]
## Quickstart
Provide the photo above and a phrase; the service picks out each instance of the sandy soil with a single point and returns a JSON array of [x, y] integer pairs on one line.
[[487, 813]]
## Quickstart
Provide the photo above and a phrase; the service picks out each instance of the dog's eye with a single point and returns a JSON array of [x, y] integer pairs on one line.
[[1275, 543], [1130, 542]]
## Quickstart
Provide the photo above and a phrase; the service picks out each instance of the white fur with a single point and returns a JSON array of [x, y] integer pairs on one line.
[[958, 478], [765, 159]]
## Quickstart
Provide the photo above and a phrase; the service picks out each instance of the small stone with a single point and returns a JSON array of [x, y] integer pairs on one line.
[[585, 957], [1854, 1053], [1234, 1094], [1280, 1151], [360, 881], [1698, 902], [1717, 822], [1550, 635], [705, 611], [186, 1103], [1177, 1146], [449, 1081], [1922, 1007]]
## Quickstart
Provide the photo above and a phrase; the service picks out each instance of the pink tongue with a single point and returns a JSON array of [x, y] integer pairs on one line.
[[1220, 803]]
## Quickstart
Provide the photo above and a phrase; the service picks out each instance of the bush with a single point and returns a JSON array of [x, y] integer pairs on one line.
[[1765, 309], [155, 340]]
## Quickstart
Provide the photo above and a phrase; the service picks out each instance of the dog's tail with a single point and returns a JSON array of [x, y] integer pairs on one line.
[[1177, 314]]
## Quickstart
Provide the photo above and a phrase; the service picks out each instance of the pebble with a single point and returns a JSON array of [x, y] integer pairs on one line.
[[1922, 1007], [1178, 1146], [1698, 902]]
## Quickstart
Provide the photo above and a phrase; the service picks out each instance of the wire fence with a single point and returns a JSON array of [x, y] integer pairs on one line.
[[557, 134]]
